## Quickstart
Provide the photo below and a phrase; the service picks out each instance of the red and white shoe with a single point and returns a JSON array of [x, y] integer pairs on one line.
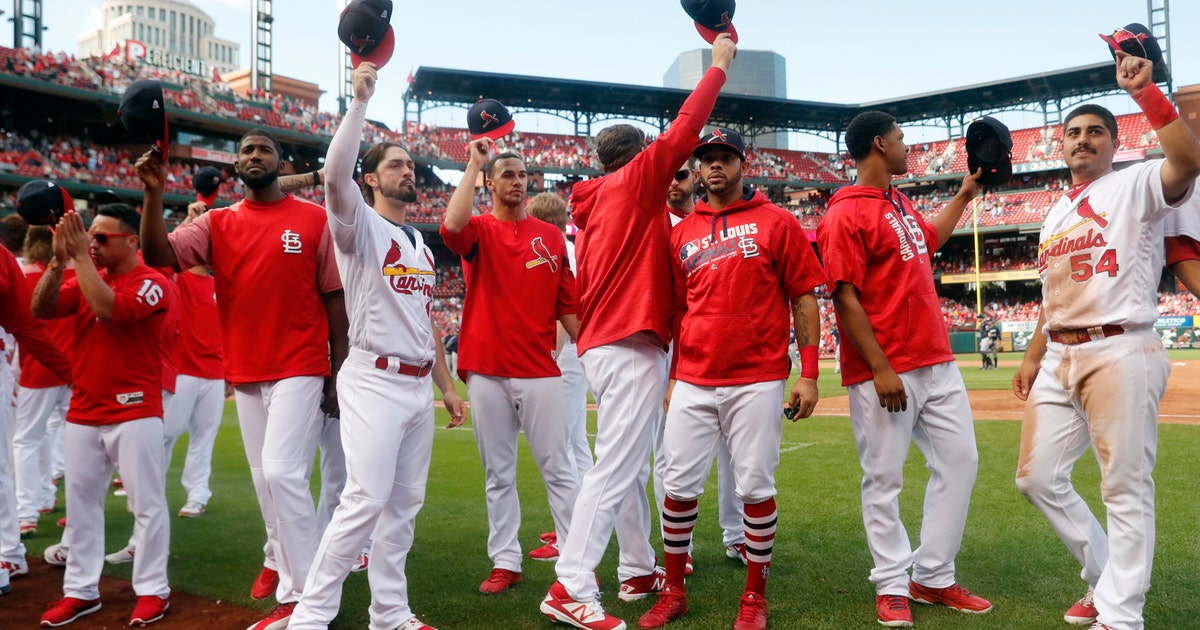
[[752, 612], [121, 556], [499, 581], [954, 596], [671, 605], [643, 586], [546, 553], [361, 562], [265, 584], [1083, 612], [55, 555], [893, 611], [149, 608], [14, 569], [277, 620], [27, 528], [68, 609], [688, 567], [415, 624], [548, 537], [560, 606]]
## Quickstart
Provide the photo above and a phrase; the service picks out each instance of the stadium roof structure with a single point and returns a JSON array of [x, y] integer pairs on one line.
[[586, 102]]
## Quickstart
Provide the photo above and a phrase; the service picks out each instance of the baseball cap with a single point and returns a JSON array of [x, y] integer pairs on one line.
[[106, 197], [365, 28], [206, 182], [143, 112], [721, 137], [989, 147], [489, 118], [712, 17], [1139, 41], [43, 202]]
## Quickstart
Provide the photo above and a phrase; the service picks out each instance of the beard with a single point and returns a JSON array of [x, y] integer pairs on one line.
[[260, 182], [400, 192]]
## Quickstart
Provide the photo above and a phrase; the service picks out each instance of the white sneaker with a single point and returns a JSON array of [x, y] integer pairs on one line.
[[191, 509], [124, 556], [415, 624], [56, 555]]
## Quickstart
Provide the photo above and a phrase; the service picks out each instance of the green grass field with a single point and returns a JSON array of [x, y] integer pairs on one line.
[[821, 563]]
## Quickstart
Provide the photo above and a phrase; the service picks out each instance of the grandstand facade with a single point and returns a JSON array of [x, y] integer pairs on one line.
[[173, 34]]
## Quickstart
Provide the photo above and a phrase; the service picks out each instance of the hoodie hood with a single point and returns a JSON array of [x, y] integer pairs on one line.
[[750, 199], [857, 192], [584, 196]]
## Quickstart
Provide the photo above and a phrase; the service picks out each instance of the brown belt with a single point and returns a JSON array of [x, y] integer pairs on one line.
[[404, 368], [1084, 335]]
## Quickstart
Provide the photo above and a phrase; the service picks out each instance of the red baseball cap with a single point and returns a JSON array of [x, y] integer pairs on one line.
[[489, 118], [365, 28]]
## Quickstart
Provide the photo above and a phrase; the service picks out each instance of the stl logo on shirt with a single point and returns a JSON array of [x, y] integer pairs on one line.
[[291, 242], [748, 246], [544, 257], [405, 279]]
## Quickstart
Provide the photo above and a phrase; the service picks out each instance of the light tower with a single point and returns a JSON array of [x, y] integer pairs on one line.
[[261, 40]]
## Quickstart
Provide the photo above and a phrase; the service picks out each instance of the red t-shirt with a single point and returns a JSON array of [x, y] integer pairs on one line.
[[272, 263], [883, 248], [1179, 249], [736, 272], [18, 321], [34, 375], [198, 351], [118, 366], [518, 284]]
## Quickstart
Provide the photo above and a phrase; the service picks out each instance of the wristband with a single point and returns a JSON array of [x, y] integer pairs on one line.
[[316, 178], [1159, 111], [808, 362]]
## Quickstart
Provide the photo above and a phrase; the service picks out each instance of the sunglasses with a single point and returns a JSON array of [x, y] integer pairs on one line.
[[102, 237], [683, 174]]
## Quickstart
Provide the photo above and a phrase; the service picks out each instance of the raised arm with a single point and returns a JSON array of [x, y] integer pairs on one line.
[[342, 195], [292, 183], [156, 249], [458, 210], [945, 220], [1179, 145]]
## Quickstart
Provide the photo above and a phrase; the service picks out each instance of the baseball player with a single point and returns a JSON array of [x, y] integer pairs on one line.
[[896, 362], [115, 418], [742, 268], [993, 335], [506, 353], [386, 398], [272, 262], [1182, 233], [625, 307], [1095, 370], [42, 401]]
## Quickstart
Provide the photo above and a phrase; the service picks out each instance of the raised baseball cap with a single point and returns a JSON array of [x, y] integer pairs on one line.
[[989, 147], [143, 112], [712, 18], [43, 202], [1139, 41], [721, 137], [206, 182], [489, 118], [365, 28]]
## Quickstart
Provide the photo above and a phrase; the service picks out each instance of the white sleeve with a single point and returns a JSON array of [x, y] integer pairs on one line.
[[1185, 221], [344, 202], [1147, 184]]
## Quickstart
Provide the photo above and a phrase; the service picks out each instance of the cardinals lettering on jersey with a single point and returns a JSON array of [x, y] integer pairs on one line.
[[405, 279], [729, 242]]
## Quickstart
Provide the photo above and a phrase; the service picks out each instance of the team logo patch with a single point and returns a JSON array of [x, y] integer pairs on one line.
[[131, 398], [1086, 211], [544, 257], [291, 242], [404, 279], [748, 246], [488, 119], [361, 43]]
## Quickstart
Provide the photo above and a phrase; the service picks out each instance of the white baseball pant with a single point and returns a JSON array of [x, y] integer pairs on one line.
[[387, 433], [575, 392], [500, 408], [280, 422], [33, 446], [1105, 393], [11, 547], [629, 379], [939, 420], [750, 417], [196, 407], [729, 507], [92, 452]]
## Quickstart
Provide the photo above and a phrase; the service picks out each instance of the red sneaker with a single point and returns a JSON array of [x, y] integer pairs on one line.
[[68, 609], [14, 570], [671, 605], [265, 584], [1083, 612], [361, 562], [953, 596], [277, 620], [687, 566], [149, 608], [752, 612], [548, 537], [546, 553], [893, 611], [499, 581], [736, 551], [560, 606], [643, 586]]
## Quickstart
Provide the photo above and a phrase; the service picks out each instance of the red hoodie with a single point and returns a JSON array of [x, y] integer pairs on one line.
[[736, 272], [624, 279], [883, 247]]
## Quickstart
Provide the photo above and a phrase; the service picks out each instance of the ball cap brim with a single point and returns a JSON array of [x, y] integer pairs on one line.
[[489, 118], [382, 53], [711, 35]]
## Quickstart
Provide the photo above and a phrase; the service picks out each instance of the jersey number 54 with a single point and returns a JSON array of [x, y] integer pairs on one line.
[[1082, 269]]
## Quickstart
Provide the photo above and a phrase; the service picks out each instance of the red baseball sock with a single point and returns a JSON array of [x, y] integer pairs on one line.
[[678, 518], [760, 540]]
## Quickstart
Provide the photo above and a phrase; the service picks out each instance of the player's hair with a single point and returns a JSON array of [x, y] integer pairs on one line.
[[617, 145], [1102, 113], [863, 130], [550, 208], [39, 244], [12, 232], [259, 132], [370, 164], [490, 171], [123, 212]]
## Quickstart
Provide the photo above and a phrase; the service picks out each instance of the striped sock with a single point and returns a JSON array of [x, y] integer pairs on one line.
[[679, 518], [760, 540]]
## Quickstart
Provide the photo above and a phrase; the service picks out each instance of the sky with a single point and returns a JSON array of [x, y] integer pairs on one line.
[[848, 51]]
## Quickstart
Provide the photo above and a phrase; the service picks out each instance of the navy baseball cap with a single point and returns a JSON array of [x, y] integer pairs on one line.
[[712, 18], [143, 112], [206, 182], [365, 28], [489, 118], [989, 147], [1139, 41], [43, 202], [721, 137]]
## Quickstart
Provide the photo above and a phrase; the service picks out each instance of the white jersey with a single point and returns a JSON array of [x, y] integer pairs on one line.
[[1100, 252], [387, 270], [1185, 221]]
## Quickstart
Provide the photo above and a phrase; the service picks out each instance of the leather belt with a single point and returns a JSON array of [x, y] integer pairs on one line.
[[403, 368], [1084, 335]]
